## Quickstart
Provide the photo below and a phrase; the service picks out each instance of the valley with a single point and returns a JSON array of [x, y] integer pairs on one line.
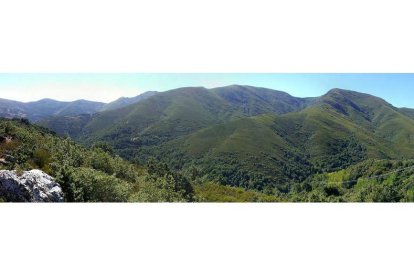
[[233, 143]]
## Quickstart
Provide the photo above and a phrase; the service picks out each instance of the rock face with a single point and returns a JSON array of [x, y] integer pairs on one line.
[[31, 186]]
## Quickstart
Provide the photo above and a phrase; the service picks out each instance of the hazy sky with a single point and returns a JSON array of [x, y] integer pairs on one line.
[[398, 89]]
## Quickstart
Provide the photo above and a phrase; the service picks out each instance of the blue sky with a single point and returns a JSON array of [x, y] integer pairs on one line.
[[397, 89]]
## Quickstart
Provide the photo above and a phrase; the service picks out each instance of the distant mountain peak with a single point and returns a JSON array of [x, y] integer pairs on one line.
[[124, 101], [188, 89], [45, 100], [38, 110], [349, 93]]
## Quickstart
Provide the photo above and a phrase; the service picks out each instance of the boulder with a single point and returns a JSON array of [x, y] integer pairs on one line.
[[31, 186]]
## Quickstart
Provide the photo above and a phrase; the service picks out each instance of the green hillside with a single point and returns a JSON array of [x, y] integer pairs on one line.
[[87, 175], [67, 126], [99, 175], [168, 115], [333, 132], [249, 137], [368, 181]]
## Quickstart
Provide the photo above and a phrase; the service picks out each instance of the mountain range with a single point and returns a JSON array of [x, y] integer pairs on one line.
[[247, 136], [38, 110]]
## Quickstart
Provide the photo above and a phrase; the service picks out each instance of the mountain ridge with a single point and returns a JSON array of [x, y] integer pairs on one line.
[[37, 110], [44, 108], [124, 101], [252, 137]]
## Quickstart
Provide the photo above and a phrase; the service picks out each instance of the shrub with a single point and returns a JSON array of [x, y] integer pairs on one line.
[[89, 185]]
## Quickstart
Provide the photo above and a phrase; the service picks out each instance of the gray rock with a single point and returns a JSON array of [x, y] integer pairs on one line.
[[31, 186]]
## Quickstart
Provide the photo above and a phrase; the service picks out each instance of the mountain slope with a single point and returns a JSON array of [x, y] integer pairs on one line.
[[407, 111], [367, 181], [254, 101], [10, 109], [336, 130], [86, 175], [339, 129], [124, 101], [250, 137], [95, 174], [179, 112]]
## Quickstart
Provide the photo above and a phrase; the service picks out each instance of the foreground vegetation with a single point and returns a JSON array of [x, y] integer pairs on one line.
[[88, 175], [99, 175], [368, 181]]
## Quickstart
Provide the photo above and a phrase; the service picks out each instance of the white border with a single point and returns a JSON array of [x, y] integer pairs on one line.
[[206, 36], [206, 239]]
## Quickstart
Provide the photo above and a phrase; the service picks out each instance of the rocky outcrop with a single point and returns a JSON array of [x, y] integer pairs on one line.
[[31, 186]]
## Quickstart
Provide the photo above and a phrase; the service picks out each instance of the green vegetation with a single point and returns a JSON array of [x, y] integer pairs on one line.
[[230, 144], [368, 181], [280, 150], [87, 175], [97, 175], [211, 192], [168, 115]]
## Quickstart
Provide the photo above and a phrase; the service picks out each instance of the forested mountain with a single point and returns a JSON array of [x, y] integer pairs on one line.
[[251, 137], [337, 130], [257, 140], [182, 111]]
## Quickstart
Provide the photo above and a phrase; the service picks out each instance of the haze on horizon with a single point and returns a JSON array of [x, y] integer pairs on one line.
[[395, 88]]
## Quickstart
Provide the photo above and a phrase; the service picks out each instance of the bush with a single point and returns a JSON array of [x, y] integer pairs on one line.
[[171, 181], [89, 185], [163, 189], [41, 159]]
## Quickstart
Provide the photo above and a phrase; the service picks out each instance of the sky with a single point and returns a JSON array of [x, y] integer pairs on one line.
[[398, 89]]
